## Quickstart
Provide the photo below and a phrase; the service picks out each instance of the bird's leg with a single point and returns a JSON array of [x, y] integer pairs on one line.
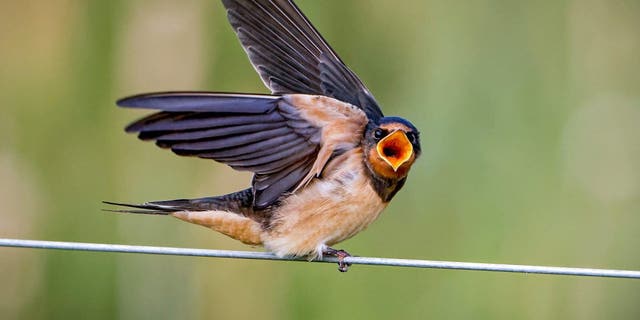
[[340, 254]]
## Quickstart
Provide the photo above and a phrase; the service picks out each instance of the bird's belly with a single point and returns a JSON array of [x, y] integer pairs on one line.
[[325, 212]]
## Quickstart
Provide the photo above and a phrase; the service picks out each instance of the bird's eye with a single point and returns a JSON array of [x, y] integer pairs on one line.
[[378, 134], [412, 137]]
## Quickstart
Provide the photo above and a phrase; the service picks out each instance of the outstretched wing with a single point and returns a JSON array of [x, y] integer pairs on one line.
[[259, 133], [292, 57]]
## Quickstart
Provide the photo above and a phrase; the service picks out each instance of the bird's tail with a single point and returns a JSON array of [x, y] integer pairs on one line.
[[153, 207], [235, 202], [230, 214]]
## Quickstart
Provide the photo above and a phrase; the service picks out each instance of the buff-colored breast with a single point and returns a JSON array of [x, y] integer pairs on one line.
[[329, 210]]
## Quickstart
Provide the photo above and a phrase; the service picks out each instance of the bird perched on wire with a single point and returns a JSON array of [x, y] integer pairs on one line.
[[326, 162]]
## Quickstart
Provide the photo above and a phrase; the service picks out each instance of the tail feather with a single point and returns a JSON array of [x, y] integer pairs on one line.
[[239, 202], [147, 208]]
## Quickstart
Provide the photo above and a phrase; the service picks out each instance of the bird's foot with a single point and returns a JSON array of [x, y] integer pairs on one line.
[[340, 254]]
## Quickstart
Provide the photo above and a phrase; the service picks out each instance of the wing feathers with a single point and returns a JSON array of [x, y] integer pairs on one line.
[[249, 149], [274, 163], [290, 176], [291, 56], [261, 134], [189, 121], [201, 102], [173, 136], [258, 152], [195, 148], [277, 140]]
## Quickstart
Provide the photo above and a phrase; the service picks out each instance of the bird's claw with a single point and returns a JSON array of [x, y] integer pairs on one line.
[[340, 254]]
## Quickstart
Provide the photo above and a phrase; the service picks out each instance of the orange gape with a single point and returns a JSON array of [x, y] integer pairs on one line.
[[326, 162]]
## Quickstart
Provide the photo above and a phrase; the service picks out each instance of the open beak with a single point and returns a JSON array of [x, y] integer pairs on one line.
[[395, 149]]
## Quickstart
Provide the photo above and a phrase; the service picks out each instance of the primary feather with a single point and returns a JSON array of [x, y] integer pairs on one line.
[[246, 132], [292, 57]]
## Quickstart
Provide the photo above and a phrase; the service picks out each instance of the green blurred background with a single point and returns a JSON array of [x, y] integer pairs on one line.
[[530, 114]]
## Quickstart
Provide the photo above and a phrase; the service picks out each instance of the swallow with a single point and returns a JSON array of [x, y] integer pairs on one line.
[[325, 159]]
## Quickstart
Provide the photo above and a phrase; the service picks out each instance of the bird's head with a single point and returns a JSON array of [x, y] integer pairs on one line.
[[391, 147]]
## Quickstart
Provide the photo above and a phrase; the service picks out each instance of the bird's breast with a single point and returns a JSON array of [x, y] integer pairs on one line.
[[327, 211]]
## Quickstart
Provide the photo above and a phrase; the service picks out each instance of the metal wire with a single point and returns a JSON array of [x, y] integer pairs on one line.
[[100, 247]]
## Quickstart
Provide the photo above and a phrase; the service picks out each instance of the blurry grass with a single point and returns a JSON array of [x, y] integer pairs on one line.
[[528, 110]]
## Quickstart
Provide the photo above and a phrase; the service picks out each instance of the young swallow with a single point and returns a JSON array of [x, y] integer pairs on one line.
[[326, 162]]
